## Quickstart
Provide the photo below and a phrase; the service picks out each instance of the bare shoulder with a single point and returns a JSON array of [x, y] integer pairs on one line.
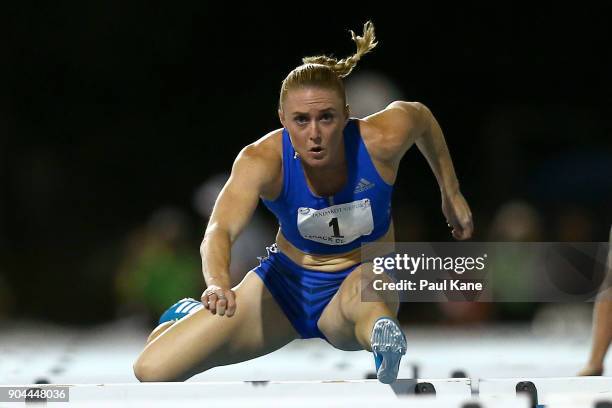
[[260, 163], [391, 131], [266, 148]]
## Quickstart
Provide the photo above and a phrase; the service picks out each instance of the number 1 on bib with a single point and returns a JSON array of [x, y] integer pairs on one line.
[[334, 224]]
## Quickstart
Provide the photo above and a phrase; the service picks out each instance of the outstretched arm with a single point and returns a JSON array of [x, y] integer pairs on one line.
[[251, 173], [454, 206], [415, 124]]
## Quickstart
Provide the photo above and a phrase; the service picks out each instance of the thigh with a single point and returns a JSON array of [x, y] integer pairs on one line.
[[338, 320], [202, 340]]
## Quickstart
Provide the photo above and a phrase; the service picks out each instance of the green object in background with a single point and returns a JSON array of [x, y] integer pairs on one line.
[[159, 278]]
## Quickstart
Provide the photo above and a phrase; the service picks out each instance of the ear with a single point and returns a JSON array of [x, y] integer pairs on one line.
[[347, 112], [281, 117]]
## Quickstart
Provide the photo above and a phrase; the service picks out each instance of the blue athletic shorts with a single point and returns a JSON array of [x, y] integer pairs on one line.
[[301, 293]]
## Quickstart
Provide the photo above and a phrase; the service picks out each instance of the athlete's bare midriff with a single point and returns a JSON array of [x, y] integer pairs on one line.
[[332, 262]]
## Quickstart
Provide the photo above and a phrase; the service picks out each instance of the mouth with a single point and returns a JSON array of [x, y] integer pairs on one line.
[[316, 152]]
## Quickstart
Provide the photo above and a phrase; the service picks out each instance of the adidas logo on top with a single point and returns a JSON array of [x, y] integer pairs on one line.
[[362, 186]]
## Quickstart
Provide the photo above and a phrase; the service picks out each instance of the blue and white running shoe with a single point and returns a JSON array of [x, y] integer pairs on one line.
[[180, 309], [388, 346]]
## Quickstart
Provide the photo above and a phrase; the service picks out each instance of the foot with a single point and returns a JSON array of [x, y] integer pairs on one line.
[[388, 346], [591, 369], [180, 309]]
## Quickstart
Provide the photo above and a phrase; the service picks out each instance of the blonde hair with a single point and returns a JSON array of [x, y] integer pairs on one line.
[[326, 72]]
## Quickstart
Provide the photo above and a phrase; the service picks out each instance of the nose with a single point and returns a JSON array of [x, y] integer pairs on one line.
[[314, 131]]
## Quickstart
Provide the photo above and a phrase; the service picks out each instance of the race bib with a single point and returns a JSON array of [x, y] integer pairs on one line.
[[336, 225]]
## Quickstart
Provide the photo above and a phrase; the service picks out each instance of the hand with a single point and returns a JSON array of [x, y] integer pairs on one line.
[[219, 300], [458, 215]]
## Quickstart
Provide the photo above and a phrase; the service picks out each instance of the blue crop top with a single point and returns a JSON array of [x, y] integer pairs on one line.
[[360, 212]]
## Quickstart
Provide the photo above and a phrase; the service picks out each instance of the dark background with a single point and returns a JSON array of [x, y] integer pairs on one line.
[[111, 111]]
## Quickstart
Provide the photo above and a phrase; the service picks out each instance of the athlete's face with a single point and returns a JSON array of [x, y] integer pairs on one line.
[[315, 119]]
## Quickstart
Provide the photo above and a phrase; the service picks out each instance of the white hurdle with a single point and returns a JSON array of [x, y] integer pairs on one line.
[[547, 388], [458, 387], [574, 392], [306, 402], [580, 401], [294, 394]]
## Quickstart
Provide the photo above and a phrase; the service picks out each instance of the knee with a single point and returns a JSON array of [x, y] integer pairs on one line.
[[148, 370]]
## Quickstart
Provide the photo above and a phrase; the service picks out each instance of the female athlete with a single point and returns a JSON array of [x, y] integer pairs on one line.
[[328, 179]]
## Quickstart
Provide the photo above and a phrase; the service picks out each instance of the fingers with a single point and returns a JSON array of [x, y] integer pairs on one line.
[[231, 304], [212, 303], [226, 305], [462, 230], [221, 306], [461, 235], [459, 217], [220, 301], [204, 299]]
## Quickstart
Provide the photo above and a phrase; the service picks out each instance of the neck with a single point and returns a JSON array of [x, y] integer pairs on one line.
[[327, 180]]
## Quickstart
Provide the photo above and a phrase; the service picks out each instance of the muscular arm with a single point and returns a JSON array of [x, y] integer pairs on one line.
[[415, 124], [407, 123], [252, 174]]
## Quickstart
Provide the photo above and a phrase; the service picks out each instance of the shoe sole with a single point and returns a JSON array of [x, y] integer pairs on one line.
[[389, 342]]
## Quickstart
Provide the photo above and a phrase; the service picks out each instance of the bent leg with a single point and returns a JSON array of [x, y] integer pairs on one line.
[[347, 321], [202, 340], [352, 324]]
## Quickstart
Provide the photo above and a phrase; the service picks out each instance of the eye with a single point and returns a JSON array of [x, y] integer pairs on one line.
[[300, 119], [327, 117]]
